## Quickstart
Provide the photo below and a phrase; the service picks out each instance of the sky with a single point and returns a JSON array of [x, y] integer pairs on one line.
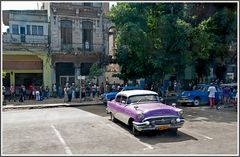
[[23, 5]]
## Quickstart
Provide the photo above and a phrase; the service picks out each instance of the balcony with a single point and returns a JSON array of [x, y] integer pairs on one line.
[[13, 42], [80, 48]]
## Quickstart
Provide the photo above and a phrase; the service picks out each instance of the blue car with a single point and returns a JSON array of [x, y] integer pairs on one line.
[[199, 95], [110, 96]]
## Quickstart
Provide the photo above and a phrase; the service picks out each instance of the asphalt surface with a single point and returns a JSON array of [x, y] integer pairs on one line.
[[83, 130]]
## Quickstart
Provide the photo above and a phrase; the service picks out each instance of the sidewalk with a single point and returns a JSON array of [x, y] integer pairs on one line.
[[59, 102], [50, 102]]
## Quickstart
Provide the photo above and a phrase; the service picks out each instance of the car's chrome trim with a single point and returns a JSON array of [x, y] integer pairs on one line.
[[155, 117], [143, 126]]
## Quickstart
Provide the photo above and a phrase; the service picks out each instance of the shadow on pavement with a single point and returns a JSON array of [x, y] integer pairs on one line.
[[99, 110], [155, 137]]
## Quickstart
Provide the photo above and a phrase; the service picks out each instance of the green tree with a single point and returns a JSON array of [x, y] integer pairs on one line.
[[151, 38], [154, 39], [215, 29], [95, 72]]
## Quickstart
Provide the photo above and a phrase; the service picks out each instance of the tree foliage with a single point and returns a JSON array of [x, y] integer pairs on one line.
[[158, 38], [95, 71]]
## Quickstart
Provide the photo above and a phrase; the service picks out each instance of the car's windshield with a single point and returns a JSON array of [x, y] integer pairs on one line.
[[201, 88], [126, 89], [143, 98]]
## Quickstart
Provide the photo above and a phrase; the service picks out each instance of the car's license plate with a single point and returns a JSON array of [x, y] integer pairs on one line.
[[163, 127]]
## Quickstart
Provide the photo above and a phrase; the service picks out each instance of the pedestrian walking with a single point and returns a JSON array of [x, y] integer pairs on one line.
[[30, 88], [175, 86], [94, 90], [12, 93], [60, 92], [21, 93], [102, 88], [69, 92], [54, 89], [83, 91], [212, 90], [73, 91], [65, 94], [34, 93], [38, 97], [88, 90], [162, 90], [47, 91], [77, 92], [41, 93], [114, 87]]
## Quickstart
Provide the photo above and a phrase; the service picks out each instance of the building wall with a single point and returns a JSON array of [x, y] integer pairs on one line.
[[77, 13], [31, 56], [77, 20]]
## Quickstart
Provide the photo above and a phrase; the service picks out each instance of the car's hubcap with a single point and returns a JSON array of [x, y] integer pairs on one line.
[[196, 102]]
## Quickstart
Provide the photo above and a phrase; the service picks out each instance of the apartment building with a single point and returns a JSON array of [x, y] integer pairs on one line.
[[78, 38], [25, 48]]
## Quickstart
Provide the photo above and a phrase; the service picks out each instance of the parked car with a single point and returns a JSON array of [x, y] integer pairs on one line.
[[142, 110], [110, 96], [197, 96]]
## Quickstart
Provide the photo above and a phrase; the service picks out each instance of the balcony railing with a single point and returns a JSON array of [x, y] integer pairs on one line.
[[22, 38], [80, 48], [22, 42]]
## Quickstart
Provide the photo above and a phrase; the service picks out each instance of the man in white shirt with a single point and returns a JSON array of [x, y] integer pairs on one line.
[[212, 90]]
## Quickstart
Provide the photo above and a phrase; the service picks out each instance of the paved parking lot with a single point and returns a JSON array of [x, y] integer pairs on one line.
[[88, 130]]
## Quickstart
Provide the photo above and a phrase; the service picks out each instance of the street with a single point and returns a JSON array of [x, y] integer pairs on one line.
[[88, 130]]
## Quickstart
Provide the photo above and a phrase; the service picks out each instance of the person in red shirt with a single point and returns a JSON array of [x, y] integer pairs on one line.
[[31, 91]]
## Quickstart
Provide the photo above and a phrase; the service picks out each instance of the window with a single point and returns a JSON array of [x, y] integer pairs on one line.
[[15, 29], [40, 30], [66, 34], [124, 99], [87, 31], [118, 98], [98, 5], [34, 30], [37, 30], [87, 4], [28, 30]]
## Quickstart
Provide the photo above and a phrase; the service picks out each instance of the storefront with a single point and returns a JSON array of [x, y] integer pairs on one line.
[[22, 70]]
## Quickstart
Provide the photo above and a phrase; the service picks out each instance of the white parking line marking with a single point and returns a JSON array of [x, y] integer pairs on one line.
[[190, 132], [132, 137], [67, 149]]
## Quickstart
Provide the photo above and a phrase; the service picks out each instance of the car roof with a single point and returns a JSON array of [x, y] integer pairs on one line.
[[202, 85], [135, 92], [229, 84], [131, 87]]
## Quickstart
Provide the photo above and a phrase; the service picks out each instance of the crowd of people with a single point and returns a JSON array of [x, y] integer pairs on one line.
[[69, 91], [31, 93], [72, 91], [227, 93]]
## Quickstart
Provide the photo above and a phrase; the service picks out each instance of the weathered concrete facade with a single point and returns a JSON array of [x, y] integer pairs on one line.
[[25, 48], [78, 36]]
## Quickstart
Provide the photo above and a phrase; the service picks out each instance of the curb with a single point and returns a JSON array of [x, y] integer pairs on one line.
[[49, 105]]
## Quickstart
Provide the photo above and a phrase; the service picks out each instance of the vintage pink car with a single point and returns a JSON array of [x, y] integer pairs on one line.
[[142, 110]]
